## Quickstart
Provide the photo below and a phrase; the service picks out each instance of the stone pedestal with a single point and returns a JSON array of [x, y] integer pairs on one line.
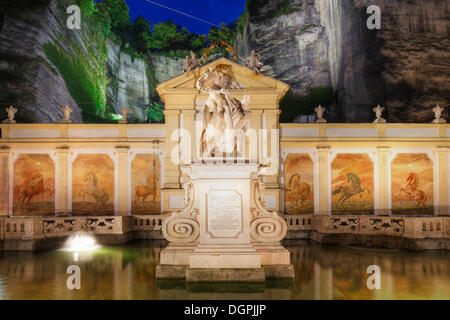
[[224, 234]]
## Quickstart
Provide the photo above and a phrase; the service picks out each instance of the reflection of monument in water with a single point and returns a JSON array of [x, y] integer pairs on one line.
[[224, 233]]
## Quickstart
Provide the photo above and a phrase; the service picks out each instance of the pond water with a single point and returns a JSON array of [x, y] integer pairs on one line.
[[321, 272]]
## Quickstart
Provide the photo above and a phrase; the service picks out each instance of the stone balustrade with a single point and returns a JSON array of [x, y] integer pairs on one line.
[[149, 227]]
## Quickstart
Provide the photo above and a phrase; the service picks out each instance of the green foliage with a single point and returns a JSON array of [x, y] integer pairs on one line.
[[253, 7], [113, 117], [164, 38], [88, 7], [162, 35], [104, 22], [293, 105], [224, 33], [84, 87], [155, 112], [167, 36], [141, 34], [240, 24], [119, 16]]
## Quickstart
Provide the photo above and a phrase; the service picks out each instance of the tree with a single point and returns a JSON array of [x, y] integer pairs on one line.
[[163, 35], [198, 42], [141, 34], [88, 6], [119, 14], [221, 34], [213, 35]]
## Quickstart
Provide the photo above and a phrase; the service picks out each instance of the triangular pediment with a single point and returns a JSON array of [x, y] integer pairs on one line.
[[248, 80]]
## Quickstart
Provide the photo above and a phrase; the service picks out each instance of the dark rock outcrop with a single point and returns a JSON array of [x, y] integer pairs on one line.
[[39, 84], [403, 66], [28, 80]]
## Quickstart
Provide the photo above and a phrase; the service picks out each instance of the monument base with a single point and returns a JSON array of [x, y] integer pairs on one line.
[[184, 272], [165, 271], [279, 272], [225, 275], [176, 254], [272, 254], [225, 256], [224, 233]]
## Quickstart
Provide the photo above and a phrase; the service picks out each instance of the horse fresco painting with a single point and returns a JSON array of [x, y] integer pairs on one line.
[[34, 185], [299, 184], [412, 184], [145, 184], [352, 184], [93, 185]]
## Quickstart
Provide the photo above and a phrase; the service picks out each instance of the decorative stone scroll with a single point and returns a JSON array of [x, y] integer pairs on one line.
[[183, 227], [266, 226]]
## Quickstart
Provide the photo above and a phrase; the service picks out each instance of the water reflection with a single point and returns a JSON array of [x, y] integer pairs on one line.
[[321, 272]]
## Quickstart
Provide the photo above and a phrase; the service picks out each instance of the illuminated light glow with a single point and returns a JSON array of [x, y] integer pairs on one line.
[[80, 242]]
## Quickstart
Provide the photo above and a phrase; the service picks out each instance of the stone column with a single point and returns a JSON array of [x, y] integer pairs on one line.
[[252, 148], [172, 171], [63, 156], [4, 180], [383, 174], [443, 186], [273, 147], [189, 140], [122, 180], [323, 179]]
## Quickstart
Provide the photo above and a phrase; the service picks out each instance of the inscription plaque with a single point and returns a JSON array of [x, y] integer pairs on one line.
[[224, 213]]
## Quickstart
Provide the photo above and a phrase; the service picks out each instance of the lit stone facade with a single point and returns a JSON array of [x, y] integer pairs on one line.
[[333, 182]]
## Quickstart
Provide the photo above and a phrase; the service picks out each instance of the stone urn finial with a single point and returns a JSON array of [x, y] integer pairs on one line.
[[66, 112], [124, 111], [320, 111], [438, 115], [11, 113], [379, 114]]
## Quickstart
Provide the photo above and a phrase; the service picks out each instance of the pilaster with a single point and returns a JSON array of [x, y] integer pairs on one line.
[[4, 180], [122, 152], [172, 172], [383, 181], [442, 164], [62, 192], [323, 152]]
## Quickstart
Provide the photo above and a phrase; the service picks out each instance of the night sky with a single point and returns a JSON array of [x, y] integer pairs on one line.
[[214, 11]]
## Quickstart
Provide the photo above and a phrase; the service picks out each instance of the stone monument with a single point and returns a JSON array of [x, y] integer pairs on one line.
[[224, 233]]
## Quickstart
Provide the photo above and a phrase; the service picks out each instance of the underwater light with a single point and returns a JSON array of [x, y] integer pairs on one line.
[[81, 241]]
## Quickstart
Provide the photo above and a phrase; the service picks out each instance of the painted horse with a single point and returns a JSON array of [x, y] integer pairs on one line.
[[349, 191], [101, 196], [412, 192], [300, 190]]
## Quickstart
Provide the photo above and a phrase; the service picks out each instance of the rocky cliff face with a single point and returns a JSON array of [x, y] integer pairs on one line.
[[28, 80], [129, 84], [294, 46], [166, 68], [44, 66], [403, 66]]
